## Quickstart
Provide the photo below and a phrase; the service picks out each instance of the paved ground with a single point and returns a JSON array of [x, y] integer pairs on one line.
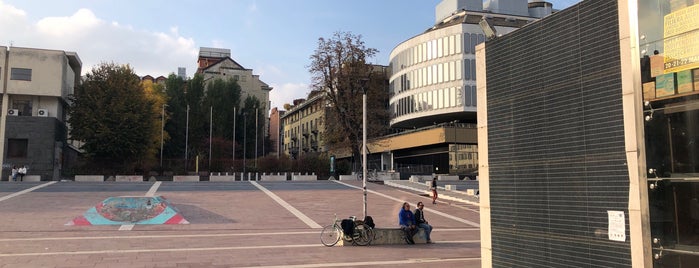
[[233, 224]]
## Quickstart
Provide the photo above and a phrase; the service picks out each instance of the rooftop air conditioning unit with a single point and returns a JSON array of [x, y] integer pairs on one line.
[[43, 113], [13, 112]]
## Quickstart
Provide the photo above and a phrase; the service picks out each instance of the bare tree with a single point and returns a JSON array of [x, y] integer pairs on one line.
[[339, 68]]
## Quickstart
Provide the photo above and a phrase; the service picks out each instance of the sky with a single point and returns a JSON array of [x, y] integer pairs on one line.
[[274, 38]]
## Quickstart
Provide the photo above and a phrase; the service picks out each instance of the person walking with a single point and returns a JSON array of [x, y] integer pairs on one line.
[[433, 187], [422, 222], [15, 171], [407, 223]]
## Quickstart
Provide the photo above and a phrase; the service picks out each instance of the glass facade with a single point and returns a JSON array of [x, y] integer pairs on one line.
[[435, 74], [669, 47]]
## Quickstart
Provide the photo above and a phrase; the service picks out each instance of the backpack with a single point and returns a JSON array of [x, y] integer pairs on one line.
[[347, 227], [369, 221]]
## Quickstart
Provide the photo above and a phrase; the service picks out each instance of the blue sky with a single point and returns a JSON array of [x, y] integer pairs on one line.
[[275, 38]]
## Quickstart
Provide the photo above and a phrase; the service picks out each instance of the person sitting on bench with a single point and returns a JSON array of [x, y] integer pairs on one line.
[[407, 223]]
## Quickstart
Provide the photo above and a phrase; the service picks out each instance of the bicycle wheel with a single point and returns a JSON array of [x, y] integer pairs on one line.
[[330, 235], [362, 235]]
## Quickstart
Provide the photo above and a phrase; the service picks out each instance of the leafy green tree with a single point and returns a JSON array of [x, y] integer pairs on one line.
[[112, 115], [251, 106], [176, 111], [339, 68], [223, 96]]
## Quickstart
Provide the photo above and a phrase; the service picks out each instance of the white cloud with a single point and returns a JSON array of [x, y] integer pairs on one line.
[[287, 93], [83, 21], [96, 41]]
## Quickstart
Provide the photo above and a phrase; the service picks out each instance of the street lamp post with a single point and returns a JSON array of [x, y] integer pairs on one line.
[[234, 116], [245, 141], [162, 135], [186, 142], [363, 82]]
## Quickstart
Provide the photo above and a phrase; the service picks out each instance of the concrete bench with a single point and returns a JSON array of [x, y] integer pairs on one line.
[[273, 178], [185, 178], [304, 178], [90, 178], [31, 178], [128, 178], [222, 178], [348, 177], [391, 236], [447, 178]]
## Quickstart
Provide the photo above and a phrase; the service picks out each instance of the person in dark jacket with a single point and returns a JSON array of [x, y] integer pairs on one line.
[[407, 223], [421, 222]]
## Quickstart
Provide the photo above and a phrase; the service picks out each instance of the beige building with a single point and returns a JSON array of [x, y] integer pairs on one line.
[[217, 63], [36, 84], [302, 126]]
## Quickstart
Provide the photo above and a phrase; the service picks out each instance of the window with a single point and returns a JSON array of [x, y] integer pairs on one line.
[[17, 148], [467, 69], [467, 43], [23, 106], [21, 74]]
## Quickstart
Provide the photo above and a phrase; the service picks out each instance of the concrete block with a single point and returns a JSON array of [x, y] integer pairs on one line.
[[185, 178], [273, 177], [304, 178], [348, 177], [471, 191], [447, 178], [450, 187], [31, 178], [222, 178], [128, 178], [393, 236], [86, 178]]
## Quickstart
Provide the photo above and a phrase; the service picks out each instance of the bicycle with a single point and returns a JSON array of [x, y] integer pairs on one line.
[[331, 234]]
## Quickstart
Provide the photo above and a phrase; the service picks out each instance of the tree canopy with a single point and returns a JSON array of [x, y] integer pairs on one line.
[[114, 117], [339, 67]]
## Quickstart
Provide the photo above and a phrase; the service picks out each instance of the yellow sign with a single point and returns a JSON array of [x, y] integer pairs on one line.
[[681, 34]]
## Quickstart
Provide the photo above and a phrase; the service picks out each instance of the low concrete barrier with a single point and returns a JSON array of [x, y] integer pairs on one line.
[[419, 178], [31, 178], [222, 178], [273, 178], [304, 178], [185, 178], [348, 177], [128, 178], [392, 236], [448, 178], [89, 178]]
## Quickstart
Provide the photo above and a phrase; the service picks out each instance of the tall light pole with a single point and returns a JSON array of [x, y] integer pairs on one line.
[[211, 131], [362, 83], [256, 134], [245, 140], [186, 141], [162, 135], [234, 116]]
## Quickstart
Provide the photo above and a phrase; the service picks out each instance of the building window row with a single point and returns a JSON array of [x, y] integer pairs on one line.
[[437, 48], [435, 74], [434, 100]]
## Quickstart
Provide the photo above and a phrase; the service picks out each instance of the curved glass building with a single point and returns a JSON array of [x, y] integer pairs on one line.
[[434, 73]]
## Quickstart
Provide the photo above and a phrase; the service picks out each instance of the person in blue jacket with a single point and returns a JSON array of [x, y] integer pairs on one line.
[[406, 220]]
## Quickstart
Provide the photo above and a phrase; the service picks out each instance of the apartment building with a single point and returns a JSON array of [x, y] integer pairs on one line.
[[302, 126], [217, 63], [36, 84]]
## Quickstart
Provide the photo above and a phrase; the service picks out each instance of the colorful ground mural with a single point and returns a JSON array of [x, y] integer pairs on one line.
[[131, 210]]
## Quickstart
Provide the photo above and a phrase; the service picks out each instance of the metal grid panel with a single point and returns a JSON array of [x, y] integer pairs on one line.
[[556, 141]]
